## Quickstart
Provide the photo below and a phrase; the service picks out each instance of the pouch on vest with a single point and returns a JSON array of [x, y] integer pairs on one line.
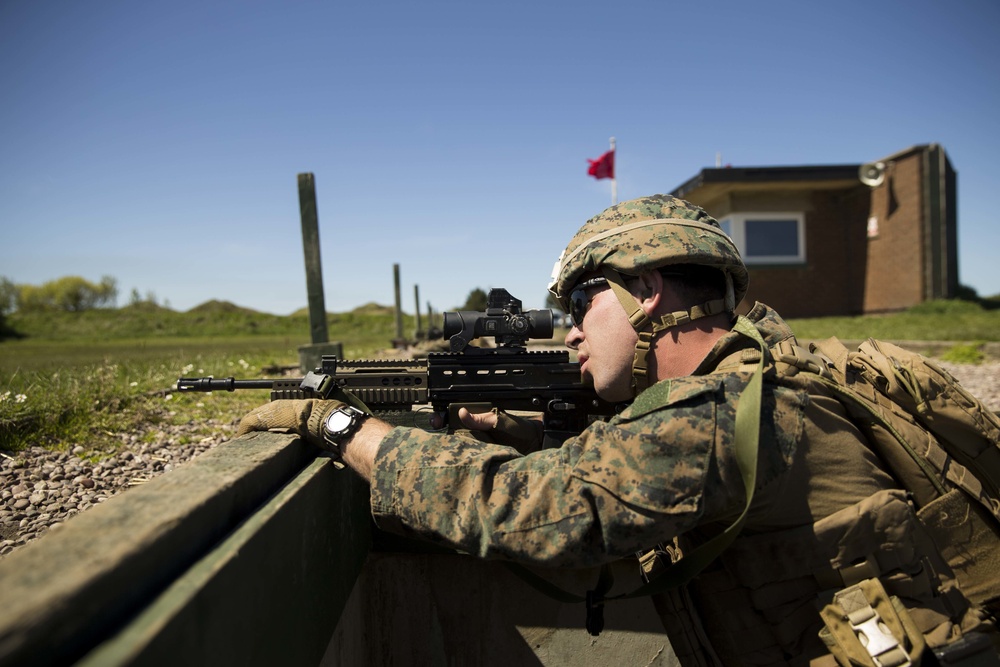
[[865, 626]]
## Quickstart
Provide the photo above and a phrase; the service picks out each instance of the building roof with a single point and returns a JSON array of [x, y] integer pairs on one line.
[[715, 182], [712, 183]]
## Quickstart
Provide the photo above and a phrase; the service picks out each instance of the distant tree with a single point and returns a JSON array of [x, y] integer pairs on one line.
[[34, 297], [134, 298], [108, 291], [8, 295], [966, 293], [74, 294], [475, 301], [71, 293]]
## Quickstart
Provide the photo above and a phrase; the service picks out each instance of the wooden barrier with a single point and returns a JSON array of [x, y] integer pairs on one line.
[[245, 555], [259, 553]]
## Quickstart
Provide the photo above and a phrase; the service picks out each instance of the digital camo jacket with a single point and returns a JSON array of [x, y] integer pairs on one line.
[[826, 516], [661, 468]]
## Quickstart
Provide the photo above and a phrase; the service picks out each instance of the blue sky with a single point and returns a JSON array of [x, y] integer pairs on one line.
[[159, 142]]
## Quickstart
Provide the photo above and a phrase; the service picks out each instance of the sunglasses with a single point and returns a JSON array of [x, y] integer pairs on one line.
[[579, 300]]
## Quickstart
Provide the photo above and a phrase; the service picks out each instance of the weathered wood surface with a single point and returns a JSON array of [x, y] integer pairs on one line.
[[255, 554], [270, 594], [82, 583]]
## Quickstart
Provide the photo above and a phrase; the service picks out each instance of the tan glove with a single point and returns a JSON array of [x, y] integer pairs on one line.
[[304, 417]]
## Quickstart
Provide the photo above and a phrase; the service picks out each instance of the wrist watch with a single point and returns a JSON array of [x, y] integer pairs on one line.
[[340, 425]]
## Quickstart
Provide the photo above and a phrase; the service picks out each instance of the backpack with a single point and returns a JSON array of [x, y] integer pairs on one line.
[[938, 440], [897, 397], [943, 446]]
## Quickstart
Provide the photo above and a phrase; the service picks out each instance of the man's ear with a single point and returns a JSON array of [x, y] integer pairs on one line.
[[650, 290]]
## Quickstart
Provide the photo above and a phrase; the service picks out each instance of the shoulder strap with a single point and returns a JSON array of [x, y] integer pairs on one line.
[[747, 439]]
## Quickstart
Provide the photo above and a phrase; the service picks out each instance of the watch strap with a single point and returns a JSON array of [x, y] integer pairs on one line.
[[331, 441], [318, 417]]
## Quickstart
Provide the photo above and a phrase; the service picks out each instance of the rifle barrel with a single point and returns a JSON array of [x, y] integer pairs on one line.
[[221, 384]]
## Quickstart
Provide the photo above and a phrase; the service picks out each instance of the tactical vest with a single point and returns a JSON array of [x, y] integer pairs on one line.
[[878, 582]]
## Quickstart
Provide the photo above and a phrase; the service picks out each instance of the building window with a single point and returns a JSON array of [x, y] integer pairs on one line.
[[768, 238]]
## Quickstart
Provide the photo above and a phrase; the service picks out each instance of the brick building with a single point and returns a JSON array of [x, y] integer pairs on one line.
[[840, 239]]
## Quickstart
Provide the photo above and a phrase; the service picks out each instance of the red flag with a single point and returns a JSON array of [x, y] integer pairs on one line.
[[602, 167]]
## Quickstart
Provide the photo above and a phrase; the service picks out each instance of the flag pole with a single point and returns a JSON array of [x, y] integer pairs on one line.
[[614, 176]]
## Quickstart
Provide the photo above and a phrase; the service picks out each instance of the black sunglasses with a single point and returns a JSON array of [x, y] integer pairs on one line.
[[579, 301]]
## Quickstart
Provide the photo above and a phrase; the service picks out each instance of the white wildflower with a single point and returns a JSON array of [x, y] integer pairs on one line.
[[20, 398], [4, 396]]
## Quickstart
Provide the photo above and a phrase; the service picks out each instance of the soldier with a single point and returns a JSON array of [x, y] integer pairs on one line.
[[652, 286]]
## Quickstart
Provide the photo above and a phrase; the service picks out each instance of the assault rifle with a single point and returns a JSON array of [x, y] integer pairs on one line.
[[508, 377]]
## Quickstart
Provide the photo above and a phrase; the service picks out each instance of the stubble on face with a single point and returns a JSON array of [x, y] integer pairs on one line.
[[607, 348]]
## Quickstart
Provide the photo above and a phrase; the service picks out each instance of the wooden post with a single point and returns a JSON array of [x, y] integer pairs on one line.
[[416, 300], [314, 271], [310, 355], [398, 342]]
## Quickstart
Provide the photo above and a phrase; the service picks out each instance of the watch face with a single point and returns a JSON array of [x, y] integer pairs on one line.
[[338, 421]]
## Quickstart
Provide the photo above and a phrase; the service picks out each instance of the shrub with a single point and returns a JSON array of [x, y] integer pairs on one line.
[[964, 354]]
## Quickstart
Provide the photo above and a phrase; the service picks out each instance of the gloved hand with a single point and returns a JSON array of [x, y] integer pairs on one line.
[[304, 416], [522, 433]]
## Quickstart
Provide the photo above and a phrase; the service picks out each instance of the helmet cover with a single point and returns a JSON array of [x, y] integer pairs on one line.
[[644, 234]]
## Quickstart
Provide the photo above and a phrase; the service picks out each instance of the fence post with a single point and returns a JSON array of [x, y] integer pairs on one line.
[[398, 342], [310, 355]]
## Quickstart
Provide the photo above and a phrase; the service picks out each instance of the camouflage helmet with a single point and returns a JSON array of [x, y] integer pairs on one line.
[[648, 233]]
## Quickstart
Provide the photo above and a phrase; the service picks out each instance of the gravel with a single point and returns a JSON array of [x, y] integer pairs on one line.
[[40, 488]]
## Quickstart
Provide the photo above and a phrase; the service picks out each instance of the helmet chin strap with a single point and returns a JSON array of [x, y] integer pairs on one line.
[[648, 329]]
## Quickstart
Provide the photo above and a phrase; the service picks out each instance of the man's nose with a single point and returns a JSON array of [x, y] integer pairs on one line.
[[573, 337]]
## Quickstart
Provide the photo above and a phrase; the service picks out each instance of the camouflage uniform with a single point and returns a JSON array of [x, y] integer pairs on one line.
[[831, 562], [661, 468], [826, 514], [664, 468]]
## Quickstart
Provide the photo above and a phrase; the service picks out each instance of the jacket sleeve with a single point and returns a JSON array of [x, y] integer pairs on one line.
[[620, 486]]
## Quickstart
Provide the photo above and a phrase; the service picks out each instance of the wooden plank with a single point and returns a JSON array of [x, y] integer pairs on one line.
[[73, 587], [270, 594]]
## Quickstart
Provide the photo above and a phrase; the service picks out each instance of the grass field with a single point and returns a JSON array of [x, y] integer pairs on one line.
[[935, 320], [82, 378]]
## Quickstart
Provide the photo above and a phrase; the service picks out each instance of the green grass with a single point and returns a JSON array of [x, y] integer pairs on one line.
[[931, 321], [91, 404], [85, 378], [211, 319], [964, 353]]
